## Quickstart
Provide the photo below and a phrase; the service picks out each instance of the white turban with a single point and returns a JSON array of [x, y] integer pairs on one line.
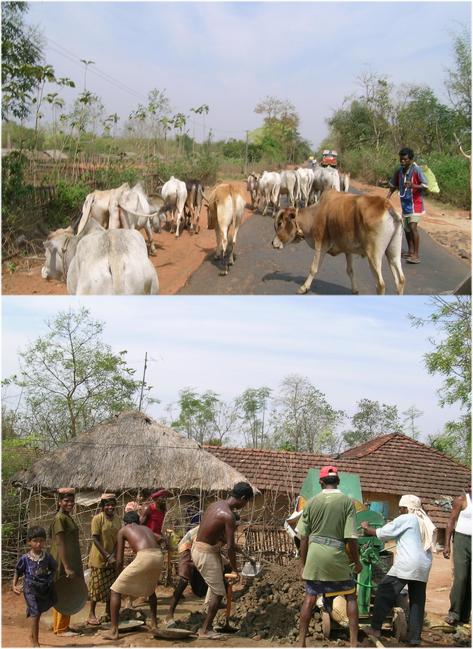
[[428, 531]]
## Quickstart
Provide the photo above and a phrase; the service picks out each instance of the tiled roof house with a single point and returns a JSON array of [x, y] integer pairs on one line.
[[389, 466]]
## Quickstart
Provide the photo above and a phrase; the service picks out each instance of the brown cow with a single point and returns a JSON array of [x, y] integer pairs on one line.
[[225, 210], [355, 225]]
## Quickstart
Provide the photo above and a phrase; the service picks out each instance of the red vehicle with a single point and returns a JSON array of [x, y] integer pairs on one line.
[[329, 158]]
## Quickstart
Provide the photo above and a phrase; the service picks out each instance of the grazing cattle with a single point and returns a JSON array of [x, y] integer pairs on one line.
[[252, 187], [345, 223], [193, 204], [306, 177], [225, 210], [121, 207], [289, 187], [174, 193], [268, 188], [100, 262]]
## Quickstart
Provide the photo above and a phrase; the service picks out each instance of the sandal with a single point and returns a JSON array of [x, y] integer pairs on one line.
[[410, 260]]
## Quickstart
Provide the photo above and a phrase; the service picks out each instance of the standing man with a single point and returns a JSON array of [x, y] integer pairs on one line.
[[410, 181], [141, 576], [327, 523], [460, 594], [415, 536], [218, 522], [154, 513]]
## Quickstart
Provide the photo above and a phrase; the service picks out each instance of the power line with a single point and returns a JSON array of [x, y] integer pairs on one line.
[[60, 49]]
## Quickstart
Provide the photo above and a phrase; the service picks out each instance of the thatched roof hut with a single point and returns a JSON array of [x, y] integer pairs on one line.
[[128, 453]]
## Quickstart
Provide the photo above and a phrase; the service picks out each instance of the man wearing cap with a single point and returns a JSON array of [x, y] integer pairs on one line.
[[327, 523], [154, 513]]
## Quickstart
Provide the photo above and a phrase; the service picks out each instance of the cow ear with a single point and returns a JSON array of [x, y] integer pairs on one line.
[[292, 213], [48, 244]]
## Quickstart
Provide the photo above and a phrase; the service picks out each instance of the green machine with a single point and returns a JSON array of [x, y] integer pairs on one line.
[[349, 485], [370, 549]]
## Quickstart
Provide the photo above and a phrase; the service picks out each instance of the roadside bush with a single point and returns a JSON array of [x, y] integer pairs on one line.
[[67, 203], [368, 165], [453, 177], [204, 167]]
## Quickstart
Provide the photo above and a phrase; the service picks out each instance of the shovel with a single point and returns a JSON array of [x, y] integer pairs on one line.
[[227, 628]]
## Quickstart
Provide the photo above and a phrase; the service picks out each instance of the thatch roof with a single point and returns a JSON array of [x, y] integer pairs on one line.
[[129, 452]]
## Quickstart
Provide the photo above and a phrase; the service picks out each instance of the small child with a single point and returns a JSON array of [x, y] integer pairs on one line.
[[38, 568]]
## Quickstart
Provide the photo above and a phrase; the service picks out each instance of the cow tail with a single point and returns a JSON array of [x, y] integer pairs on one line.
[[86, 209], [397, 218]]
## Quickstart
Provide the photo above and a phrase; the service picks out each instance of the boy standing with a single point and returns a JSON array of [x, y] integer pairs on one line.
[[37, 567]]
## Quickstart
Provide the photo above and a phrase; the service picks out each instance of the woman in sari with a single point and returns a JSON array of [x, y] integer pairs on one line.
[[102, 560], [65, 549]]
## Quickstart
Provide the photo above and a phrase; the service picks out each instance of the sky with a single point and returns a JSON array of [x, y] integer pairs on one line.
[[348, 348], [231, 55]]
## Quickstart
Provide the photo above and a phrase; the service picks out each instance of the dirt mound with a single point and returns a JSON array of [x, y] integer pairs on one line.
[[268, 606]]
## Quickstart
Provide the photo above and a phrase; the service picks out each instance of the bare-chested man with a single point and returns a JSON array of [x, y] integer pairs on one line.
[[218, 522], [141, 576]]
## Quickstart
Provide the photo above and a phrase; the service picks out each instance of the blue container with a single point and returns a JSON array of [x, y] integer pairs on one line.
[[381, 507]]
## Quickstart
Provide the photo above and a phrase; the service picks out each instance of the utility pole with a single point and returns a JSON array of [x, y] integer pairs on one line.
[[86, 64], [246, 153], [143, 380]]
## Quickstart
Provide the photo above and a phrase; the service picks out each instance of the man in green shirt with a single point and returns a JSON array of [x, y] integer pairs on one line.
[[326, 525]]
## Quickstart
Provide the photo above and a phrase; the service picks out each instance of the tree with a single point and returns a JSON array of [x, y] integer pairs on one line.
[[253, 406], [372, 420], [458, 81], [410, 416], [452, 359], [71, 380], [303, 420], [204, 417], [21, 51]]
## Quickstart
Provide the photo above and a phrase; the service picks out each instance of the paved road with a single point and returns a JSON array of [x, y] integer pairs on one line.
[[261, 270]]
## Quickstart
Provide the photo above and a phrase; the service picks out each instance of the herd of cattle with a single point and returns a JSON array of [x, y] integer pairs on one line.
[[104, 254]]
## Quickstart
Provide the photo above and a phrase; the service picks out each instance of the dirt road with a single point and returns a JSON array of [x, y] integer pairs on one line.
[[15, 631], [178, 259]]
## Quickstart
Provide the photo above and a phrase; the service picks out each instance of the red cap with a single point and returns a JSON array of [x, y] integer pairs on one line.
[[327, 471], [161, 493]]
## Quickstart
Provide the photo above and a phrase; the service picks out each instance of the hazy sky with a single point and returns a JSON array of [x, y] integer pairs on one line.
[[349, 348], [231, 55]]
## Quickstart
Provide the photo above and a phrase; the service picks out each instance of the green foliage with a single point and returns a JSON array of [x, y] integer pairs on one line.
[[21, 51], [203, 417], [303, 419], [458, 83], [452, 360], [371, 420], [202, 166], [71, 380], [252, 405], [236, 150], [453, 176], [22, 137]]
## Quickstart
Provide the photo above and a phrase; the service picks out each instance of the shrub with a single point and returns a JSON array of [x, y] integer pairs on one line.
[[453, 176]]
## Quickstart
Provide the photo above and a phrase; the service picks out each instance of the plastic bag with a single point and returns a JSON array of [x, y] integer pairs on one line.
[[431, 180]]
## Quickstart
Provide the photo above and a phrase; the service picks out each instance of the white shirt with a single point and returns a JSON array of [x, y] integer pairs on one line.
[[463, 525], [411, 561]]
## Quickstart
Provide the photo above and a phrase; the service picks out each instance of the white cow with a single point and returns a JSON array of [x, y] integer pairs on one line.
[[306, 177], [289, 186], [174, 193], [121, 207], [225, 210], [100, 262], [140, 213], [324, 178], [268, 187]]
